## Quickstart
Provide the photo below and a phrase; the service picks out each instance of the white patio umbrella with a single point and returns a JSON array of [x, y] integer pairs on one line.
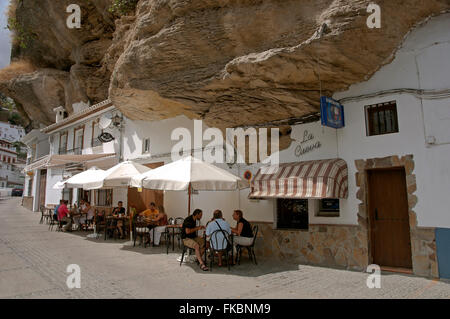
[[60, 185], [189, 174], [120, 175], [89, 179]]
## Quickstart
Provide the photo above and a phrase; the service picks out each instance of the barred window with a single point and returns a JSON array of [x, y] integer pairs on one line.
[[381, 118], [103, 197]]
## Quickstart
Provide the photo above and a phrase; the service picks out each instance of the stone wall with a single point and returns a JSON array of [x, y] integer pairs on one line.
[[348, 246], [342, 246], [27, 202]]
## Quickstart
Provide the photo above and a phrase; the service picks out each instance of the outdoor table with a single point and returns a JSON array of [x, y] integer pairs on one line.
[[171, 227], [80, 215], [109, 219]]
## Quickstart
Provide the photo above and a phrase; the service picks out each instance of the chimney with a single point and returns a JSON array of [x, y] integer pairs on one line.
[[60, 113]]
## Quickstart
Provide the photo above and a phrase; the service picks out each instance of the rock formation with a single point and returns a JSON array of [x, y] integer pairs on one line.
[[229, 62]]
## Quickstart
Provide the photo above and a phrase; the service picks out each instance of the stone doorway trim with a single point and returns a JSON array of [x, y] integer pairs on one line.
[[423, 242]]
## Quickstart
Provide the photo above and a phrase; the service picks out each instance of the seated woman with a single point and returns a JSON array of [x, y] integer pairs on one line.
[[161, 222], [243, 231], [89, 211]]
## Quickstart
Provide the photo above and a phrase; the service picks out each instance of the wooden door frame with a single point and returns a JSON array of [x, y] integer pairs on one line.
[[42, 191], [370, 207], [420, 236]]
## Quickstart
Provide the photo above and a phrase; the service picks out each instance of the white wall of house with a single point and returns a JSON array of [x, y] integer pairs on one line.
[[53, 196], [25, 186], [421, 63], [42, 148], [37, 146], [11, 132]]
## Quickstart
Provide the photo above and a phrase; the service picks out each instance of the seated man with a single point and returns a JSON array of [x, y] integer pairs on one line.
[[55, 212], [150, 213], [119, 210], [190, 238], [161, 222], [63, 216], [218, 242], [243, 231]]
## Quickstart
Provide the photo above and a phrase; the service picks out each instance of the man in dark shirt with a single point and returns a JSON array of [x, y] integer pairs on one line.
[[119, 210], [190, 238]]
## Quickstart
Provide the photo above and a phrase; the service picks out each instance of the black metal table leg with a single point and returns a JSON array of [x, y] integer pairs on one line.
[[173, 238]]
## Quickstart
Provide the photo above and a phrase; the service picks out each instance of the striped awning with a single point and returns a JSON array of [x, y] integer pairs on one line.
[[61, 160], [311, 179]]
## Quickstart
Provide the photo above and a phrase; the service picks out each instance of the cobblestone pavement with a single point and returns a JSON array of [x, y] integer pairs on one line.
[[33, 263]]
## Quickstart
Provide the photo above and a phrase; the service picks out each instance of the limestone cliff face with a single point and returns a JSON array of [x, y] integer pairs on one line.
[[68, 61], [229, 62]]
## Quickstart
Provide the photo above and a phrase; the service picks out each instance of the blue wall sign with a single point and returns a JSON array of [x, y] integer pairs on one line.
[[331, 112]]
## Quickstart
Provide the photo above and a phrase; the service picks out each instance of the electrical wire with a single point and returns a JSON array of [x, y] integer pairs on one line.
[[419, 93]]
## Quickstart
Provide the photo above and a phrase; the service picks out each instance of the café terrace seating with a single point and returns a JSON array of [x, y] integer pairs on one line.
[[103, 222]]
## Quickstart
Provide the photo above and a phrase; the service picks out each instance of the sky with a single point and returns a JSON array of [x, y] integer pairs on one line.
[[5, 38]]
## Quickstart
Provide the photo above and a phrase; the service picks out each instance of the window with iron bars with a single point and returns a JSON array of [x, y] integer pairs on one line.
[[381, 118]]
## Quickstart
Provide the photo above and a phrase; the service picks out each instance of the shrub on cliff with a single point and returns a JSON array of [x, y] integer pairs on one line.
[[121, 7]]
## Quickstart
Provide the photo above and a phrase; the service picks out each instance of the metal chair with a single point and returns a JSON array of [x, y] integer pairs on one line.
[[46, 215], [250, 248], [42, 209], [110, 226], [100, 224], [178, 221], [87, 224], [166, 234], [219, 238], [54, 222], [141, 230], [185, 248]]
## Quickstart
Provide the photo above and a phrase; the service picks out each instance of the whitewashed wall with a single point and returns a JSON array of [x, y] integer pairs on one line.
[[421, 63], [53, 196]]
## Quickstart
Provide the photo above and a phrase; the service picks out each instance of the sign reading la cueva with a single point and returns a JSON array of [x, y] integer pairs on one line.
[[308, 144]]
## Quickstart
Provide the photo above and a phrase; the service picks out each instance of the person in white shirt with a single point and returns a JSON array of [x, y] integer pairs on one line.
[[218, 242], [89, 211]]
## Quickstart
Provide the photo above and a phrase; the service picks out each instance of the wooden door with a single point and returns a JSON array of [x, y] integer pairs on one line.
[[42, 187], [389, 219], [141, 200]]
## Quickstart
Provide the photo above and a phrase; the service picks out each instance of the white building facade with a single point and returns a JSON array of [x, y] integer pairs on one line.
[[10, 173], [395, 144]]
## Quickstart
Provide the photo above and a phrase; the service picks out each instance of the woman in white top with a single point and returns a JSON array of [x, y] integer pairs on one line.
[[89, 211]]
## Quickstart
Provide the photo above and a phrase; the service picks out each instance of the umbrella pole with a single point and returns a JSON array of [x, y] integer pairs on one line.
[[189, 199]]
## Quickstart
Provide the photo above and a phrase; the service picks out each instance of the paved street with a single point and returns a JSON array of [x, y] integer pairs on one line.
[[33, 264]]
